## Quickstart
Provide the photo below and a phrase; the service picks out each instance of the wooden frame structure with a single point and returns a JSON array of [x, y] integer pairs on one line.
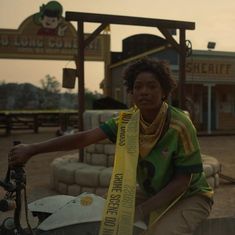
[[163, 25]]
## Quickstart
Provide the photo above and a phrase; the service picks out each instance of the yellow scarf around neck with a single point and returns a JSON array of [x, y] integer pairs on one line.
[[150, 133]]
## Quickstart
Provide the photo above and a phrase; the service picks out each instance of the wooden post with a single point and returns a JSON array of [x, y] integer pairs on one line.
[[81, 85], [182, 66]]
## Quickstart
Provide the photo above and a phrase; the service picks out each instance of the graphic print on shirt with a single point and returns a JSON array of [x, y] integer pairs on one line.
[[148, 170]]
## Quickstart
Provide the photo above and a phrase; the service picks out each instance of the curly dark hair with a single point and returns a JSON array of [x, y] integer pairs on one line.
[[160, 69]]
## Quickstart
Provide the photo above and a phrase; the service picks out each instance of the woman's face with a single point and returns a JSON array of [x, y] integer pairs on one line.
[[147, 92]]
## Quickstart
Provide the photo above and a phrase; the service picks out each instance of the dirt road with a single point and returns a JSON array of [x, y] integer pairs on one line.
[[38, 169]]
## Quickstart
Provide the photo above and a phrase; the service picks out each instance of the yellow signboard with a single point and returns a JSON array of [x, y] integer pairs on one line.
[[209, 67], [46, 35], [212, 69]]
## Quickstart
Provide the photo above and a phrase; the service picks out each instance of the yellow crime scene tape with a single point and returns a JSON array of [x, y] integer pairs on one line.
[[118, 217]]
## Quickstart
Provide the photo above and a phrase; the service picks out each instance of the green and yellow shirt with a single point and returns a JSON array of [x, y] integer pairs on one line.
[[177, 151]]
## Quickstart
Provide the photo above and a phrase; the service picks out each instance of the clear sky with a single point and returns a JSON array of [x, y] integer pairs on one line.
[[214, 21]]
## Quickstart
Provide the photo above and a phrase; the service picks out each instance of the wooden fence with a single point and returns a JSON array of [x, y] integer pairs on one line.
[[23, 120]]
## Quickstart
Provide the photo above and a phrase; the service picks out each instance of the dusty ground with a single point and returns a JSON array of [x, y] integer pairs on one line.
[[222, 148], [38, 169]]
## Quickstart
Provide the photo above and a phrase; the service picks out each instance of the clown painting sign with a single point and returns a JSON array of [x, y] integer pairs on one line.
[[47, 35], [50, 20]]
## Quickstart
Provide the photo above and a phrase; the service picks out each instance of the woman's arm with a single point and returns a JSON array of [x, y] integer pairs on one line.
[[21, 153], [175, 188]]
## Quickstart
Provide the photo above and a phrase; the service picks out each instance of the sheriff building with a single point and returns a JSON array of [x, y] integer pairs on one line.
[[209, 85]]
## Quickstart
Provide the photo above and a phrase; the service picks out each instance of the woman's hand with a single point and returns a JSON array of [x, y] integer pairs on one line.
[[20, 154]]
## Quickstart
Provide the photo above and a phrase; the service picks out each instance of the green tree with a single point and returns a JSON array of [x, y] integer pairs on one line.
[[50, 98], [27, 96], [50, 84]]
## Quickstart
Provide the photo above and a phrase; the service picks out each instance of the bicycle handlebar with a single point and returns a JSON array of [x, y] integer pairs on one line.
[[15, 179], [13, 184]]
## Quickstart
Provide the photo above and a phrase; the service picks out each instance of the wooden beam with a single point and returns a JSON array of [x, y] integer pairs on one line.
[[128, 20], [94, 34], [169, 38]]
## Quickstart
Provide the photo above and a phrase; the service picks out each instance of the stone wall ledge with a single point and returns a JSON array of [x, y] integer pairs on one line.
[[69, 176]]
